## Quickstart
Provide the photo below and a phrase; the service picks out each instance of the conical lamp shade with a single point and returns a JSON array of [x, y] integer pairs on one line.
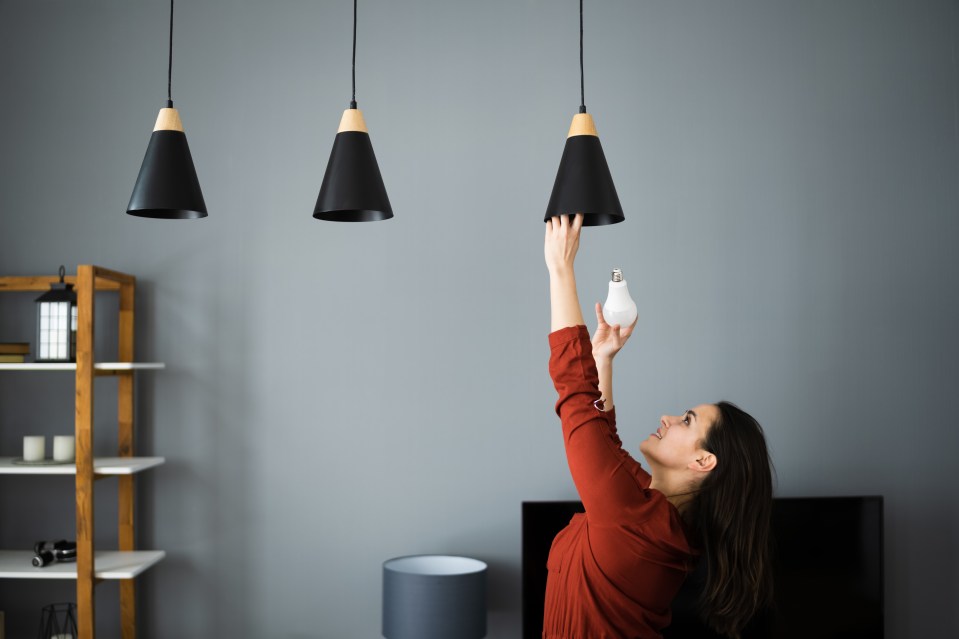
[[352, 189], [167, 187], [583, 182]]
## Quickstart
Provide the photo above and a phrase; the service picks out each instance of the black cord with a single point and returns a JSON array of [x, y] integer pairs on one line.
[[169, 77], [353, 101], [582, 79]]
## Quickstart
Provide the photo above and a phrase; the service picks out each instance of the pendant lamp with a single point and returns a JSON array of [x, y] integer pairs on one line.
[[583, 182], [167, 187], [352, 189]]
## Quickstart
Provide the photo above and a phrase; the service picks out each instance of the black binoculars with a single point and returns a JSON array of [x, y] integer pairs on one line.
[[47, 552]]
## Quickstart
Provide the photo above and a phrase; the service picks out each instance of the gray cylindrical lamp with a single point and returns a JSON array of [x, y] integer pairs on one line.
[[434, 597]]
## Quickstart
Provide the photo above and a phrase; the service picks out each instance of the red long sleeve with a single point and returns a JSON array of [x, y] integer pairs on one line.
[[614, 571], [608, 479]]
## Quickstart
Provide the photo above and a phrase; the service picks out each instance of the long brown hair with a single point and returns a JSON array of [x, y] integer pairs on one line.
[[730, 515]]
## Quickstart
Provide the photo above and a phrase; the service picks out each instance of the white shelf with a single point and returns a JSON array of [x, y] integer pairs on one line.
[[71, 366], [129, 366], [101, 466], [15, 564]]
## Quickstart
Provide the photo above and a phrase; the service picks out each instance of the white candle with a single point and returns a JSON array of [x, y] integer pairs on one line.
[[34, 448], [63, 448]]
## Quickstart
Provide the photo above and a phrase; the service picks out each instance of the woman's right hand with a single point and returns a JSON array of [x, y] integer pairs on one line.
[[562, 242], [609, 340]]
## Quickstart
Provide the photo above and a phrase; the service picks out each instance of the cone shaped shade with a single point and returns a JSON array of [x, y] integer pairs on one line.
[[167, 187], [352, 189], [583, 182]]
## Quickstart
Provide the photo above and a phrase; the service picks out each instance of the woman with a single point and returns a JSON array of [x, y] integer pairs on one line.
[[614, 571]]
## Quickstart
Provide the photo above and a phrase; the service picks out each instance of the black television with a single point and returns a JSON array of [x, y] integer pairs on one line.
[[827, 563]]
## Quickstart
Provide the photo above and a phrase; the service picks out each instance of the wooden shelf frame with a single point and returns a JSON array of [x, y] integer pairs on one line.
[[89, 280], [106, 280]]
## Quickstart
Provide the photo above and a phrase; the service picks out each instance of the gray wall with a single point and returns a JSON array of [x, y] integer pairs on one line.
[[339, 394]]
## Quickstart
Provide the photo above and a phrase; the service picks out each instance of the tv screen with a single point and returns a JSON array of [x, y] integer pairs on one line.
[[827, 565]]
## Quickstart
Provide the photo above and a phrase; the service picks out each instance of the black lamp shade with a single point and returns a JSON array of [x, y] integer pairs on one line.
[[167, 187], [352, 189], [583, 182]]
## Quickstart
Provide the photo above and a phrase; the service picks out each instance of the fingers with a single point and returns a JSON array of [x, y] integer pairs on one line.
[[619, 333], [563, 222], [568, 220], [556, 224], [600, 320], [578, 222], [562, 240], [574, 224]]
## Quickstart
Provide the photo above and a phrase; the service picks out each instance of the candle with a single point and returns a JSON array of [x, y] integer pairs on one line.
[[63, 448], [34, 448]]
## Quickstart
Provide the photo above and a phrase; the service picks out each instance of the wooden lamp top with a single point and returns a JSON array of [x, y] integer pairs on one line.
[[352, 120], [582, 125], [169, 120]]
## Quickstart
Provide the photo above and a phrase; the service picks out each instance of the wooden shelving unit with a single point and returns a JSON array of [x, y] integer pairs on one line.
[[92, 565]]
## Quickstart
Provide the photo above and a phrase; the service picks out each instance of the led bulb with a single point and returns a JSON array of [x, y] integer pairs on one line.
[[619, 307]]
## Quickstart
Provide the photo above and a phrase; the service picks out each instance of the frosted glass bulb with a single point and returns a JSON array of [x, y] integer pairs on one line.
[[619, 307]]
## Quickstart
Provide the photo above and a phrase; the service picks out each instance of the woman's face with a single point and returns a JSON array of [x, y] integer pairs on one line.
[[678, 442]]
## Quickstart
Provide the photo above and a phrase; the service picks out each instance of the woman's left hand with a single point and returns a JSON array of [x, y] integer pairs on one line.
[[608, 340]]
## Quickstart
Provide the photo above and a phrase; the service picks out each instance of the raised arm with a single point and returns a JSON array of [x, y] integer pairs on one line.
[[607, 341], [604, 474], [562, 242]]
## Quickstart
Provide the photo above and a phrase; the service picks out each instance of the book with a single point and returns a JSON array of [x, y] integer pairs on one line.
[[14, 348], [12, 359]]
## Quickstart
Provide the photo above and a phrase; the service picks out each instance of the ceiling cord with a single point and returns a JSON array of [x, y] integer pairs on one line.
[[169, 77], [353, 101], [582, 79]]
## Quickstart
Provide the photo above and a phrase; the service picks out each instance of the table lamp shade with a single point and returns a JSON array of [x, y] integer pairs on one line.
[[434, 597]]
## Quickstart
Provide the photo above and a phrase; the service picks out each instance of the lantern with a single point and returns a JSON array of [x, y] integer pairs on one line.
[[57, 323]]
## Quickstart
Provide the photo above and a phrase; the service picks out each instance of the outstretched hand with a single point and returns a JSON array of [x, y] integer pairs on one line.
[[562, 241], [608, 340]]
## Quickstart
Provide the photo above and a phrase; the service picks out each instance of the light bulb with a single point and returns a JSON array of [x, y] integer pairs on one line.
[[619, 307]]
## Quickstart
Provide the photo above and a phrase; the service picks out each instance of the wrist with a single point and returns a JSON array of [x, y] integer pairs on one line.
[[603, 360]]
